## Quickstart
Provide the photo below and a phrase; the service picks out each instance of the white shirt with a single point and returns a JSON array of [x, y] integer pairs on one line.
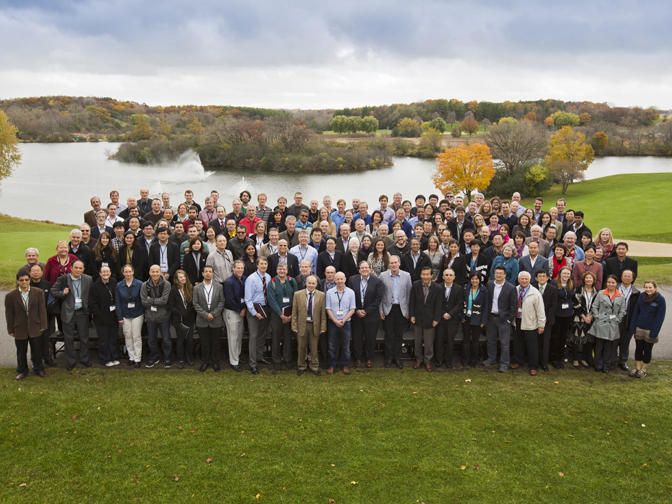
[[495, 297]]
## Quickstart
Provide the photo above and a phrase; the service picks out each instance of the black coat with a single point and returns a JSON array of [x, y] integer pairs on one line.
[[172, 256], [453, 306], [550, 297], [407, 264], [137, 261], [293, 269], [372, 298], [452, 226], [429, 311], [189, 266], [481, 266], [480, 305], [237, 247], [613, 267], [179, 313], [324, 260], [106, 258], [507, 302], [85, 254], [100, 300], [348, 266], [459, 267]]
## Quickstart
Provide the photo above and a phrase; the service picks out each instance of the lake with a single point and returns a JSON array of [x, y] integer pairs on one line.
[[56, 181]]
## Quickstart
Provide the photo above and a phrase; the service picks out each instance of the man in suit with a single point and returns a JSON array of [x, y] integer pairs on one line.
[[330, 257], [81, 251], [309, 320], [457, 224], [32, 257], [496, 249], [101, 225], [258, 313], [452, 305], [394, 309], [425, 310], [209, 304], [343, 240], [577, 226], [617, 265], [535, 236], [631, 295], [283, 255], [165, 253], [529, 323], [73, 291], [368, 296], [414, 260], [534, 261], [26, 316], [502, 314], [549, 293], [219, 224], [90, 216]]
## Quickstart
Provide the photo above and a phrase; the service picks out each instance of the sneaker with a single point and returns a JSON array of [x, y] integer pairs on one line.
[[150, 364], [167, 364], [110, 364], [502, 368], [116, 362], [641, 373], [633, 373]]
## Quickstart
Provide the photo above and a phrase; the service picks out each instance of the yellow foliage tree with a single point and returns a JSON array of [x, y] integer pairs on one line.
[[569, 156], [406, 125], [164, 128], [9, 150], [195, 126], [143, 130], [465, 168]]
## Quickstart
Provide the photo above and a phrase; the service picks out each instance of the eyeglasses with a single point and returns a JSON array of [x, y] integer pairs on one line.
[[24, 279]]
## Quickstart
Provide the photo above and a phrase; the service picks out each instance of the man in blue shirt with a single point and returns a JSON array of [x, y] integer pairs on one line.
[[303, 251], [338, 216], [234, 312], [362, 213], [256, 301], [340, 304], [303, 222]]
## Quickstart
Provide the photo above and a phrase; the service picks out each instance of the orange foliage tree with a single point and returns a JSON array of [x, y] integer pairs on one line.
[[469, 125], [531, 116], [465, 168]]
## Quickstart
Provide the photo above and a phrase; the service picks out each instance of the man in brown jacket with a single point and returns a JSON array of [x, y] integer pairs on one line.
[[26, 314], [309, 320]]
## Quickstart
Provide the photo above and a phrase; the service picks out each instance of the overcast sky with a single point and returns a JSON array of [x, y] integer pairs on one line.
[[311, 54]]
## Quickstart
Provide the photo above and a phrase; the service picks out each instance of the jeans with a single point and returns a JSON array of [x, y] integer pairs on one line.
[[107, 342], [498, 327], [339, 336], [152, 340]]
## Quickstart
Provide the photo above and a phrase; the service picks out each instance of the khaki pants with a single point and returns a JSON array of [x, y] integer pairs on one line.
[[425, 336], [303, 340]]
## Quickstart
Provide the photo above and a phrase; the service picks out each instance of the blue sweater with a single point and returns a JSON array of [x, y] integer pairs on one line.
[[511, 265], [648, 316]]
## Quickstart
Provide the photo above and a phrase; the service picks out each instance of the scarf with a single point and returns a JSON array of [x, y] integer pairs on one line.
[[649, 299]]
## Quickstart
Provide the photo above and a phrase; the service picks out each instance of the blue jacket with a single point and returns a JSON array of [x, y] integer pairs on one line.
[[565, 297], [234, 292], [649, 316], [511, 268], [124, 295]]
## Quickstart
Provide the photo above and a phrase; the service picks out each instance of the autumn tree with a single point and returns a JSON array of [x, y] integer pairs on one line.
[[549, 122], [585, 118], [508, 120], [569, 156], [438, 124], [465, 168], [531, 116], [601, 138], [432, 138], [195, 126], [470, 125], [10, 156], [407, 125], [164, 128], [142, 131], [515, 144], [562, 119], [354, 124], [456, 132]]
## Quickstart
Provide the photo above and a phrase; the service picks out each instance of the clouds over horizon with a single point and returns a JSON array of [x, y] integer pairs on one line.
[[304, 55]]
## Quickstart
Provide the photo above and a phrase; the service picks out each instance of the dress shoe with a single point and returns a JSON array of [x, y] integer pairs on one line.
[[597, 370], [21, 376], [264, 361], [545, 368], [533, 372], [203, 367], [417, 365], [216, 368], [346, 370], [254, 370], [561, 364], [555, 364], [358, 363], [289, 365], [317, 372], [400, 365], [299, 372], [276, 367], [605, 370], [388, 363], [237, 368], [515, 366], [50, 362], [70, 368], [180, 365], [42, 374], [437, 365], [449, 366], [472, 365], [429, 367], [130, 362], [330, 370], [369, 364], [190, 362], [464, 363], [86, 364], [137, 365], [624, 366]]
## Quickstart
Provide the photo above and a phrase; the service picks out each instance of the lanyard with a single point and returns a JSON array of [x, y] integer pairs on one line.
[[107, 286], [364, 285], [78, 292], [208, 293], [162, 252], [340, 298]]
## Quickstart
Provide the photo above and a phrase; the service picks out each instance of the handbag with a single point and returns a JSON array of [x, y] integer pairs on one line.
[[643, 334], [182, 331]]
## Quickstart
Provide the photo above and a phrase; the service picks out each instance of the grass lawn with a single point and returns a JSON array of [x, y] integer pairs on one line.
[[376, 436], [378, 132]]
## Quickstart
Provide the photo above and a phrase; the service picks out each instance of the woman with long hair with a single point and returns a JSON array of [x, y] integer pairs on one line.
[[456, 261], [523, 225], [277, 220], [326, 216], [376, 221], [486, 210], [103, 307], [249, 258], [519, 242], [104, 254], [474, 318], [129, 253], [194, 260], [493, 225], [580, 340], [435, 256], [558, 260], [478, 222], [563, 317], [605, 239], [183, 316], [379, 258]]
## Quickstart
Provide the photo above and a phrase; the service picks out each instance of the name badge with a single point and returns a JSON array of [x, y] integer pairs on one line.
[[285, 300], [78, 300], [208, 306], [654, 304], [242, 300], [153, 308], [468, 313], [112, 308], [565, 306], [164, 265], [362, 300], [103, 264], [131, 305], [520, 310], [309, 319], [339, 313], [612, 317]]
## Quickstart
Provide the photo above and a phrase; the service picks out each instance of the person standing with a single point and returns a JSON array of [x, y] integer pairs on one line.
[[414, 260], [26, 317], [549, 294], [340, 305], [130, 313], [608, 311], [258, 311], [280, 298], [453, 304], [563, 317], [37, 281], [474, 318], [234, 313], [617, 265], [73, 291], [502, 302], [103, 309], [425, 311], [394, 309], [647, 320], [368, 296], [209, 305], [309, 320], [165, 254], [530, 322], [329, 257], [221, 261], [154, 295], [181, 306], [630, 293]]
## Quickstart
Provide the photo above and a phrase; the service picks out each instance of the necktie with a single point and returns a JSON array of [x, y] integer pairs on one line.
[[25, 303], [263, 282], [310, 305], [221, 224], [542, 288], [520, 302]]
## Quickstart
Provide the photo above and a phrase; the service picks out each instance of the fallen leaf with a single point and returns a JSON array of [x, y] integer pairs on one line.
[[333, 465], [331, 500], [209, 460], [353, 482], [644, 465], [177, 479], [643, 425], [193, 431], [561, 474], [477, 466], [463, 467], [557, 382], [22, 484], [179, 427], [74, 416], [243, 455], [468, 381], [257, 496]]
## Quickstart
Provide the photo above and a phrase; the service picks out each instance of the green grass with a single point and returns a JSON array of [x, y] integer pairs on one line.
[[378, 132], [376, 436]]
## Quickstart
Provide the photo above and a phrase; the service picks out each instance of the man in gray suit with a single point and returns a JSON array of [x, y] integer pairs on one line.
[[73, 291], [209, 304], [394, 309], [503, 310]]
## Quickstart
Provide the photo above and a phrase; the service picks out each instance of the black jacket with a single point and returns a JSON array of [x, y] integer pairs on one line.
[[179, 313], [137, 261], [348, 266], [508, 301], [106, 258], [613, 267], [85, 254], [189, 266], [101, 297], [459, 267], [414, 270], [293, 269], [372, 298], [481, 266], [453, 306], [324, 260], [426, 312], [237, 247], [172, 257], [550, 297]]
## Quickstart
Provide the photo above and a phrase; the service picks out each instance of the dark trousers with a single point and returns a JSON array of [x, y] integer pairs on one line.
[[22, 355], [80, 321], [184, 345], [604, 353], [643, 351], [153, 329], [525, 340], [281, 340], [623, 344], [584, 354], [364, 338], [394, 325], [107, 342], [444, 341], [471, 334], [46, 346], [544, 345], [559, 338], [210, 344]]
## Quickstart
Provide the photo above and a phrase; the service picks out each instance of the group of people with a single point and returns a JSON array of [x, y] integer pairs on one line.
[[327, 276]]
